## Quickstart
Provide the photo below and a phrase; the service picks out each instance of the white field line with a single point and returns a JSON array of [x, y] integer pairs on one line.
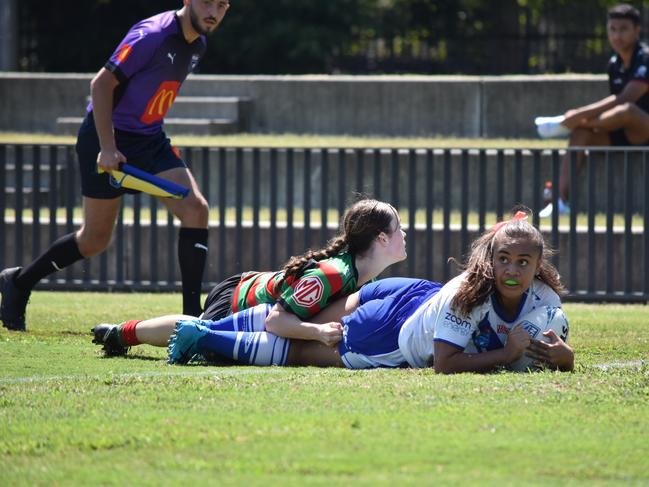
[[142, 375], [621, 364]]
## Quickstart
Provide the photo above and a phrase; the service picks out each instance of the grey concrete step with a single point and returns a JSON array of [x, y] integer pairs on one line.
[[172, 126], [68, 125], [236, 108], [210, 107], [200, 126]]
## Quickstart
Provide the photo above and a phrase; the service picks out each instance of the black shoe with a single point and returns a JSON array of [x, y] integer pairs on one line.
[[14, 300], [107, 335]]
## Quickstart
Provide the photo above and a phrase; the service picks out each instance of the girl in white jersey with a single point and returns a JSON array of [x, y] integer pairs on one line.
[[470, 324]]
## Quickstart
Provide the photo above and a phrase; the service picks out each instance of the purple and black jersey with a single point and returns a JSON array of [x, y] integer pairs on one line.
[[619, 76], [151, 63]]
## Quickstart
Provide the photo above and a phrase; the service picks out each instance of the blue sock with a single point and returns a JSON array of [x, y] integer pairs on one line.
[[251, 319], [250, 348]]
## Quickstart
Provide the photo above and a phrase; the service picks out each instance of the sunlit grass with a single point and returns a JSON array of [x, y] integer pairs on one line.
[[333, 216], [69, 416], [293, 140]]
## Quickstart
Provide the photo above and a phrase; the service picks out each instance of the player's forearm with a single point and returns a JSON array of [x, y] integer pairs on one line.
[[336, 310], [101, 92], [287, 325], [594, 109], [471, 362]]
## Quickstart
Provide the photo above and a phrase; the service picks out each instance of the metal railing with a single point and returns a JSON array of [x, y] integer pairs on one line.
[[268, 204]]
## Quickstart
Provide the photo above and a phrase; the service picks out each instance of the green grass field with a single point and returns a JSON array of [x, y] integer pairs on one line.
[[68, 416]]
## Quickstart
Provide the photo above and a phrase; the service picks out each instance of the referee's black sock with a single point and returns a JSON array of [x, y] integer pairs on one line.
[[192, 255], [61, 254]]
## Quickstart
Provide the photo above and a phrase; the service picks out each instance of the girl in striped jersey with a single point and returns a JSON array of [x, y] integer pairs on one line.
[[473, 323], [371, 240]]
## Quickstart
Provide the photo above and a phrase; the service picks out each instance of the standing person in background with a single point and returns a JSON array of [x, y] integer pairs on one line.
[[130, 96], [621, 119]]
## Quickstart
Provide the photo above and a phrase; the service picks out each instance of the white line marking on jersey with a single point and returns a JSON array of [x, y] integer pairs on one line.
[[200, 246], [54, 265]]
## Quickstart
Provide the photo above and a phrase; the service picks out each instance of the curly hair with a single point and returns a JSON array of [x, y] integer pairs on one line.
[[361, 224], [479, 281]]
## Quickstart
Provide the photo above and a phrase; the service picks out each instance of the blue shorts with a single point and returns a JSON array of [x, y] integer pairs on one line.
[[151, 153], [371, 333]]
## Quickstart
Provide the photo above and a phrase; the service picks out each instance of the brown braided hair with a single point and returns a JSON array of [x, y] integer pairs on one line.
[[361, 224], [479, 282]]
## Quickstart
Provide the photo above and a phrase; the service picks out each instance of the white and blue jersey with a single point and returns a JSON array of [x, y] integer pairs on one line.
[[484, 329], [371, 332]]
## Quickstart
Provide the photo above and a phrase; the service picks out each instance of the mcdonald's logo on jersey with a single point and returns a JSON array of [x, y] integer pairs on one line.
[[160, 102], [308, 291]]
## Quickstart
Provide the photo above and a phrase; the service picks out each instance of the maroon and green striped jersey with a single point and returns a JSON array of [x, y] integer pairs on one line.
[[319, 283]]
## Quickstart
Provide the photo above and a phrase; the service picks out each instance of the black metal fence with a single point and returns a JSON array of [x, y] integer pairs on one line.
[[268, 204]]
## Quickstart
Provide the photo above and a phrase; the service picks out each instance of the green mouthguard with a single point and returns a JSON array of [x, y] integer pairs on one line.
[[511, 282]]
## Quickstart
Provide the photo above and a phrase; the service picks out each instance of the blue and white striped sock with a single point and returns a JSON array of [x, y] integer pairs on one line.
[[250, 348], [251, 319]]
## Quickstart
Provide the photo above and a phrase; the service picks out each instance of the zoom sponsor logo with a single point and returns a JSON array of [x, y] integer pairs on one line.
[[457, 324], [457, 320]]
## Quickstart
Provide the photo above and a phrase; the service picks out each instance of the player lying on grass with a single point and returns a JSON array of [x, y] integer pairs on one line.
[[371, 240], [470, 324]]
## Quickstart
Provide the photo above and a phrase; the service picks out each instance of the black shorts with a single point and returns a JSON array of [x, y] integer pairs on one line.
[[151, 153], [618, 138], [218, 303]]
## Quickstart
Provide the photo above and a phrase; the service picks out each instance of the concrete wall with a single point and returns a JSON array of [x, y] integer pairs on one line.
[[463, 106]]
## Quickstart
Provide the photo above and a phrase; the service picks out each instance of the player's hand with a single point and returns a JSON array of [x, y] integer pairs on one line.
[[109, 159], [573, 119], [517, 341], [330, 333], [557, 354]]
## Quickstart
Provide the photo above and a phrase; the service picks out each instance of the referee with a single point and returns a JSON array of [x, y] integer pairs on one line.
[[130, 97]]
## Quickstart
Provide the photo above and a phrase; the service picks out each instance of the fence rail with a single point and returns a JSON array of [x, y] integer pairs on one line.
[[267, 204]]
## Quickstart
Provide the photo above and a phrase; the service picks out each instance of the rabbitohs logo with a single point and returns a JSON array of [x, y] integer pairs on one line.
[[308, 291]]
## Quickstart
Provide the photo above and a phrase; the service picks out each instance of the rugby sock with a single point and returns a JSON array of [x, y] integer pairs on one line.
[[59, 255], [251, 319], [127, 333], [251, 348], [192, 254]]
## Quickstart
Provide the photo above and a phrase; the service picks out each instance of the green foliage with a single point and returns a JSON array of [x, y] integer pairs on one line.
[[68, 416], [315, 36], [79, 35]]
